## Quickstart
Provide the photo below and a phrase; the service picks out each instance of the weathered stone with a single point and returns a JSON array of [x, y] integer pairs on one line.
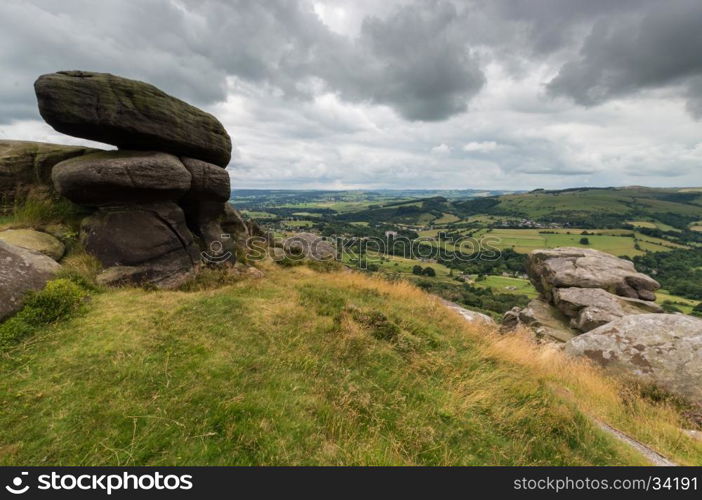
[[209, 182], [34, 240], [21, 271], [24, 164], [204, 206], [587, 268], [589, 308], [163, 275], [662, 349], [204, 220], [118, 177], [547, 322], [154, 238], [309, 245], [130, 115]]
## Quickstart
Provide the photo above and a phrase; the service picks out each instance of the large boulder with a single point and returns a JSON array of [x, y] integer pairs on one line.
[[130, 115], [24, 164], [152, 240], [122, 177], [21, 271], [587, 268], [34, 240], [589, 308], [547, 322], [662, 349]]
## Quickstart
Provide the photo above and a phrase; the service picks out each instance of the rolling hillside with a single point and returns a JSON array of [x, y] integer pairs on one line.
[[306, 367]]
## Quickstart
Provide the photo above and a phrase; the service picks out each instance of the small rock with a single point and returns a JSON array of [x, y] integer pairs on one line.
[[21, 271], [547, 322], [589, 308], [34, 240], [309, 245]]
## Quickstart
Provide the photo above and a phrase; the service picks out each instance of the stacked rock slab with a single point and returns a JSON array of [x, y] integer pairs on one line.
[[164, 188], [581, 289], [586, 268], [130, 115]]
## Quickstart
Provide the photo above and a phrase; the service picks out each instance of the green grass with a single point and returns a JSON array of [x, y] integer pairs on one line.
[[43, 210], [681, 303], [305, 368]]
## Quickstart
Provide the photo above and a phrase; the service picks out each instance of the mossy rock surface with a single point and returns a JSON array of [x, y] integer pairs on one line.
[[130, 115], [34, 240], [26, 163], [122, 177]]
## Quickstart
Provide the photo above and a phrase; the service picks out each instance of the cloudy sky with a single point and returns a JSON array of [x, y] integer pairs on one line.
[[513, 94]]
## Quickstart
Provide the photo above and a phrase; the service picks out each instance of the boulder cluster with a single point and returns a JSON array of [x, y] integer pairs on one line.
[[603, 309], [157, 201]]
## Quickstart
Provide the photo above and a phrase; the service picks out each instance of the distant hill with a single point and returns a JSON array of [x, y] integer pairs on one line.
[[663, 209]]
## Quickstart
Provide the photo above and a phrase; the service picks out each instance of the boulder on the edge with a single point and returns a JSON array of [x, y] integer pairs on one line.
[[130, 115], [547, 322], [122, 177], [205, 205], [21, 271], [34, 240], [24, 164], [152, 238], [587, 268], [309, 245], [589, 308], [662, 349]]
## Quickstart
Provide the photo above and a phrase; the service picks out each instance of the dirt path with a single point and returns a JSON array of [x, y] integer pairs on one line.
[[653, 456]]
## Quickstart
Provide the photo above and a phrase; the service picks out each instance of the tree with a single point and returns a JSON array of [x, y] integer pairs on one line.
[[584, 241], [429, 271], [417, 270]]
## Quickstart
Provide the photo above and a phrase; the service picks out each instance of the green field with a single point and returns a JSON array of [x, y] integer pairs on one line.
[[506, 284], [610, 241], [258, 215]]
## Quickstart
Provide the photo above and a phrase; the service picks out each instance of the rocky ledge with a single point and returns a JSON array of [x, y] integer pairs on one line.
[[600, 307]]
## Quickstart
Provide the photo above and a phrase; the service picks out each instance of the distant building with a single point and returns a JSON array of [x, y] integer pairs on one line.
[[391, 234]]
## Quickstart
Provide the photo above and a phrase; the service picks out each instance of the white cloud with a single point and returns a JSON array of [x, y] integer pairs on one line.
[[441, 149], [481, 147]]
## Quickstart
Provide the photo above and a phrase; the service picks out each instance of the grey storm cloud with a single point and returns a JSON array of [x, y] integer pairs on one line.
[[655, 47], [416, 61], [421, 59]]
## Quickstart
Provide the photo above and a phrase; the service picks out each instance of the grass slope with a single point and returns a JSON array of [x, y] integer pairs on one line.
[[304, 367]]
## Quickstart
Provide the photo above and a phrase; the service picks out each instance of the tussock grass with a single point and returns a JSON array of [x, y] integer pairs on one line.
[[308, 367], [40, 209]]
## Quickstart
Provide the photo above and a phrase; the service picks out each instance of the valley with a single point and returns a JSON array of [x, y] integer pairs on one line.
[[475, 241]]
